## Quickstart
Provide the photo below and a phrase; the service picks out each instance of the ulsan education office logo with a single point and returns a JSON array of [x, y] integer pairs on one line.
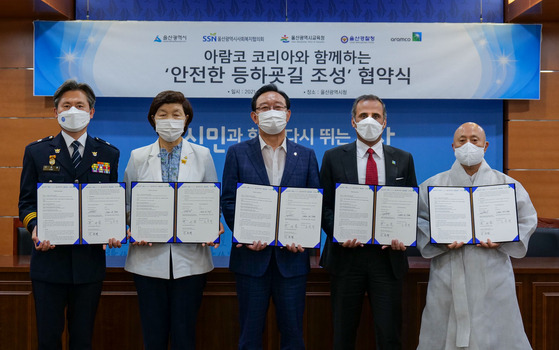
[[303, 38], [415, 36], [210, 38]]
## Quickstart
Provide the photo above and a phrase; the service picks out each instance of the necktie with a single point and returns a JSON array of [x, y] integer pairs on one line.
[[371, 176], [76, 156]]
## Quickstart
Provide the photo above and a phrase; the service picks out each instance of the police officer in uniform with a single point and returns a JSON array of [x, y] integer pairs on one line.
[[70, 275]]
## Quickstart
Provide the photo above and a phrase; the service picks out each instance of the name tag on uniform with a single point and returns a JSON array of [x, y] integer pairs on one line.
[[101, 168], [51, 168]]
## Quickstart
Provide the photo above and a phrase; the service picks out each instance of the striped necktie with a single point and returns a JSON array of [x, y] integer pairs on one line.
[[76, 156]]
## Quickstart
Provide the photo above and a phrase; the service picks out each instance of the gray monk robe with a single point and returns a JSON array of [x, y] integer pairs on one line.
[[471, 297]]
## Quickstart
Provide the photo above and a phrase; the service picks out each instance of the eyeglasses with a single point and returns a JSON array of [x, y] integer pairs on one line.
[[267, 108]]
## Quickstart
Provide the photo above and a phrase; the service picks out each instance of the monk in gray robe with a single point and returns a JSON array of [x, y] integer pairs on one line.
[[471, 297]]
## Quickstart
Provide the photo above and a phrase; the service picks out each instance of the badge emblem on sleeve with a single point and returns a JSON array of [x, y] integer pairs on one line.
[[101, 168]]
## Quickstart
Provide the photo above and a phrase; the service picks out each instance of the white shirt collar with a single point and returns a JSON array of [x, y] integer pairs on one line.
[[362, 149], [263, 144], [69, 139]]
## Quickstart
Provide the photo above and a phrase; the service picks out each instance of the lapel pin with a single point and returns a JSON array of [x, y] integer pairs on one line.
[[57, 150], [94, 154], [295, 153], [393, 162], [183, 161]]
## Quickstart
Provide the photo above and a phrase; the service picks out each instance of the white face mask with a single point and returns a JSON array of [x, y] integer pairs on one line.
[[369, 129], [169, 129], [469, 154], [73, 119], [272, 122]]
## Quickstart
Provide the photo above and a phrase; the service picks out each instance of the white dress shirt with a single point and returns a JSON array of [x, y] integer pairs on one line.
[[274, 160], [362, 157]]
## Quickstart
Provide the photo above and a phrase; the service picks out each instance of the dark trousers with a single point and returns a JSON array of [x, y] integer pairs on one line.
[[369, 272], [168, 308], [254, 295], [81, 301]]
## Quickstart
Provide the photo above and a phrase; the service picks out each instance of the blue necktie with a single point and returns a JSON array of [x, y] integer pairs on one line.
[[76, 156]]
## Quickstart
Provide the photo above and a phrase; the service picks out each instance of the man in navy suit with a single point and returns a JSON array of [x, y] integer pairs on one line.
[[66, 275], [356, 268], [263, 271]]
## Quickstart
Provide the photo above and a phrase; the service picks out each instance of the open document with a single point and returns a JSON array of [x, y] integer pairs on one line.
[[278, 215], [375, 214], [175, 212], [69, 213], [473, 214]]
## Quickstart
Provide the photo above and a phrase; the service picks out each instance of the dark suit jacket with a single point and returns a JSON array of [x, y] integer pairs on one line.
[[339, 165], [244, 163], [64, 263]]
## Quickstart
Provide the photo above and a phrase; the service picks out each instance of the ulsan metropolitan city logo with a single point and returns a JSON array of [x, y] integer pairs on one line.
[[210, 38], [344, 39], [171, 38], [284, 39]]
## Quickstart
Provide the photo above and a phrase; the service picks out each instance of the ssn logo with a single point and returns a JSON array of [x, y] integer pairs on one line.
[[209, 38]]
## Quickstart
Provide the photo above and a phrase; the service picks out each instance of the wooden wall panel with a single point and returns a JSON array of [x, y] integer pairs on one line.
[[533, 145], [17, 316], [543, 188], [547, 108], [7, 237], [9, 188], [16, 44], [318, 309], [216, 306], [546, 315], [117, 323], [54, 10], [217, 328], [16, 96], [550, 46], [15, 134]]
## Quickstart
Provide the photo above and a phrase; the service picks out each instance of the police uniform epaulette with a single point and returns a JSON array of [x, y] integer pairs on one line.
[[104, 142], [41, 140]]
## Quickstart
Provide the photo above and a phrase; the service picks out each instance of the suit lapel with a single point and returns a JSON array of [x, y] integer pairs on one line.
[[390, 165], [291, 159], [349, 163], [254, 154], [187, 153], [154, 162]]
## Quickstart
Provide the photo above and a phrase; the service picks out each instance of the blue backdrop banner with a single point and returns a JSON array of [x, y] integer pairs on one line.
[[315, 60]]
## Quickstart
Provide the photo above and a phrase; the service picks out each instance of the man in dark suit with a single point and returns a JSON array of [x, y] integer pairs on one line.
[[357, 268], [262, 271], [66, 275]]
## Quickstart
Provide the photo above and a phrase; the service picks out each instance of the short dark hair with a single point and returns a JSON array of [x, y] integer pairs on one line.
[[367, 98], [268, 88], [169, 96], [72, 85]]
